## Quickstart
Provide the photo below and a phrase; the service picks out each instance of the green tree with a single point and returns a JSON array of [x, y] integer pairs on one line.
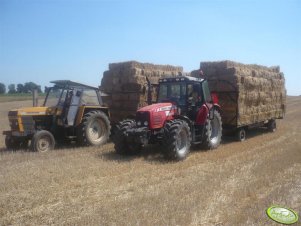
[[20, 88], [46, 89], [39, 89], [2, 88], [30, 86], [11, 88]]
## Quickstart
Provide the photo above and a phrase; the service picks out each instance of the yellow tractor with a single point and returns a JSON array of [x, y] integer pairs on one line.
[[71, 112]]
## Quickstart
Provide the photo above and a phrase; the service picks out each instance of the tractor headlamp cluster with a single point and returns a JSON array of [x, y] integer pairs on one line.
[[145, 123], [13, 123]]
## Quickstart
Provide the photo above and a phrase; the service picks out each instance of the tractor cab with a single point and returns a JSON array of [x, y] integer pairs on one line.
[[187, 93], [67, 97]]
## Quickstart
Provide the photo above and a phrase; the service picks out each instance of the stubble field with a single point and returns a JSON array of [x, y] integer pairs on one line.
[[232, 185]]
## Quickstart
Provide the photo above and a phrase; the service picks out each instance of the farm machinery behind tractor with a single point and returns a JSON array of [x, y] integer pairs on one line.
[[185, 113], [71, 112]]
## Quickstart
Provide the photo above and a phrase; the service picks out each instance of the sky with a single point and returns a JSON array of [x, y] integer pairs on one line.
[[45, 40]]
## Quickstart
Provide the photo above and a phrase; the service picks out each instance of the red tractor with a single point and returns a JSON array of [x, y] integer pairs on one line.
[[185, 114]]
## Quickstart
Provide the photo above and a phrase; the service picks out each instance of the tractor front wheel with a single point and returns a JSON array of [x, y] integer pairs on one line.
[[42, 141], [94, 129], [177, 140], [121, 145], [15, 144]]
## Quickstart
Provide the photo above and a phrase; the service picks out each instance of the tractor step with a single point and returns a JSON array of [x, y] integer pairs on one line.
[[196, 142]]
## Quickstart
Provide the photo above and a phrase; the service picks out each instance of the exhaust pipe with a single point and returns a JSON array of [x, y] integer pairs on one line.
[[35, 97]]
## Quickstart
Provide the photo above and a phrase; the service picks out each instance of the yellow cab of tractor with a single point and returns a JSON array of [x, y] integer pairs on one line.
[[71, 112]]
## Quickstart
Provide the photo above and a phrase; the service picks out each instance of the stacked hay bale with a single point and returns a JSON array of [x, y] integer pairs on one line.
[[247, 93], [127, 87]]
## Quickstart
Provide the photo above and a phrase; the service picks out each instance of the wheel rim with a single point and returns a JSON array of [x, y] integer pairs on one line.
[[214, 130], [182, 142], [242, 135], [273, 126], [96, 130], [44, 143]]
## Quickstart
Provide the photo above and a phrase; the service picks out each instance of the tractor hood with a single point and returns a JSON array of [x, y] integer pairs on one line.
[[23, 120], [156, 114], [166, 107], [34, 111]]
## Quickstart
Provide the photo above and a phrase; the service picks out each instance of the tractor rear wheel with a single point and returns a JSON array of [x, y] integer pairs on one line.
[[94, 129], [177, 140], [42, 141], [121, 145], [213, 132]]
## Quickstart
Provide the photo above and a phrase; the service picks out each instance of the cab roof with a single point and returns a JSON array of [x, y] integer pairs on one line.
[[180, 79], [71, 84]]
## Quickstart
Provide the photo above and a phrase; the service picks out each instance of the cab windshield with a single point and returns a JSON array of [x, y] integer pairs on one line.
[[172, 92], [55, 97]]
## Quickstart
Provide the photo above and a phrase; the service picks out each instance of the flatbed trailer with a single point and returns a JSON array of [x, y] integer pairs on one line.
[[249, 95]]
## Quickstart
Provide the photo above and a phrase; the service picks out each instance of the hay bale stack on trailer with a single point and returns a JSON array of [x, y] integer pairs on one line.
[[127, 85], [249, 95]]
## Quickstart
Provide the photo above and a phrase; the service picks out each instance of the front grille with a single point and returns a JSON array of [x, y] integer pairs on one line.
[[28, 123], [142, 116], [12, 113], [14, 125], [157, 119]]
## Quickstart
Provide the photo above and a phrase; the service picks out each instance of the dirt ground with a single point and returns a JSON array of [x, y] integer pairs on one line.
[[232, 185]]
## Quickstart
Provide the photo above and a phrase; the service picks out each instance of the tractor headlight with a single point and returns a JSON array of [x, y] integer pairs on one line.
[[138, 123], [146, 123]]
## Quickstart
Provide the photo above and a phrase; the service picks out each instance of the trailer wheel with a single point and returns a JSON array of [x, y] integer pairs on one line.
[[14, 144], [121, 145], [213, 132], [241, 134], [94, 129], [177, 140], [272, 125], [42, 141]]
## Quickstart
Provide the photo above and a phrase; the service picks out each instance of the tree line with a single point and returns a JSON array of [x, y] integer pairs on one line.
[[27, 87]]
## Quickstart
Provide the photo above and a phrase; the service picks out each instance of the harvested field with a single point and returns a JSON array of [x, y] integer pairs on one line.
[[232, 185]]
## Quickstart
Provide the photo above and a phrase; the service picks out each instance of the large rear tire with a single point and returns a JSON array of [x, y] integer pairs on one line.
[[121, 145], [42, 141], [94, 129], [213, 132], [177, 140]]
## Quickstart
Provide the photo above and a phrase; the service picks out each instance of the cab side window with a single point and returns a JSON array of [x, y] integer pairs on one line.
[[194, 93], [206, 91], [89, 97]]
